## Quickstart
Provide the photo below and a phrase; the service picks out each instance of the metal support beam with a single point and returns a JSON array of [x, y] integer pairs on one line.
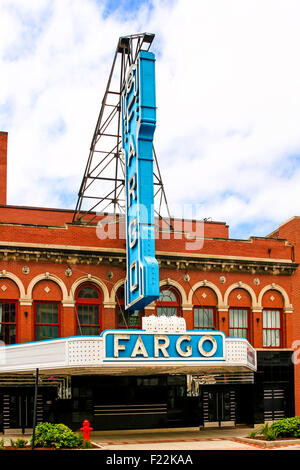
[[105, 169], [35, 407]]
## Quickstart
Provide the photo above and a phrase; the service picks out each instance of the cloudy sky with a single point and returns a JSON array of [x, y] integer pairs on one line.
[[228, 98]]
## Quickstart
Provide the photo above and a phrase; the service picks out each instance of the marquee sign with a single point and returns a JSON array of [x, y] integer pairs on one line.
[[163, 343], [141, 346], [138, 126]]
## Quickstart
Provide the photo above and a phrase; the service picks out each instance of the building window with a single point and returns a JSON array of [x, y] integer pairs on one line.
[[238, 322], [271, 328], [126, 319], [204, 317], [8, 322], [168, 302], [88, 310], [46, 320]]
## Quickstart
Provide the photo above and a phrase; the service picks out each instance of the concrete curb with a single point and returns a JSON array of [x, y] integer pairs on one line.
[[261, 443]]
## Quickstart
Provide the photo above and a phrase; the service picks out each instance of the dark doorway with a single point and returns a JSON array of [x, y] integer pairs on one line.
[[219, 406], [274, 403], [21, 410]]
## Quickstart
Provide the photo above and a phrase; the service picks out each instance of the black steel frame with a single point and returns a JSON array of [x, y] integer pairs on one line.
[[100, 160]]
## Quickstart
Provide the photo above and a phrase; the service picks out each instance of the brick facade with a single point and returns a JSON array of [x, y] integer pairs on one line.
[[46, 258]]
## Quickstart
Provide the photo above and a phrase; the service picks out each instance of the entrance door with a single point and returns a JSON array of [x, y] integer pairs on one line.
[[274, 403], [21, 410], [219, 407]]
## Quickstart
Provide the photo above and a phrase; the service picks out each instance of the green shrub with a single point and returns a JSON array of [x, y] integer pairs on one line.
[[269, 433], [287, 427], [87, 445], [255, 433], [1, 444], [21, 443], [56, 435]]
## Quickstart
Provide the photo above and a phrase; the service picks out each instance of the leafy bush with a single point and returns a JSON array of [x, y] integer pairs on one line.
[[287, 427], [56, 435], [2, 444], [19, 443], [87, 445], [253, 434], [269, 432]]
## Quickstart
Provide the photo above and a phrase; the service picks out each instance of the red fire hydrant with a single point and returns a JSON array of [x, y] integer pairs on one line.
[[86, 430]]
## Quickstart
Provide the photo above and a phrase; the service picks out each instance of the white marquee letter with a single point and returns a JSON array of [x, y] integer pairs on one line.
[[161, 347], [133, 276], [131, 151], [131, 189], [188, 351], [139, 348], [119, 347], [214, 346], [132, 232]]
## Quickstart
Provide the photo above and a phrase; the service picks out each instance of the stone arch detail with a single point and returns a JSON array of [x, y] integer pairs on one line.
[[95, 280], [171, 282], [287, 305], [209, 284], [241, 285], [16, 280], [115, 287], [50, 277]]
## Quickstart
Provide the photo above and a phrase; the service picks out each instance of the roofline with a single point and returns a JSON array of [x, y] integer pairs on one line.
[[13, 206], [282, 224]]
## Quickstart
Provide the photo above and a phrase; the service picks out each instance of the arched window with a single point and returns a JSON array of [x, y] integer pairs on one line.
[[205, 308], [240, 319], [88, 310], [168, 303], [273, 320], [124, 318], [8, 321], [47, 297], [47, 321], [8, 311]]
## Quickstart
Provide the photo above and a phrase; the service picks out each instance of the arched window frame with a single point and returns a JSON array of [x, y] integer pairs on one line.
[[81, 327], [120, 304], [249, 323], [160, 306], [9, 324], [280, 329], [214, 317], [47, 324]]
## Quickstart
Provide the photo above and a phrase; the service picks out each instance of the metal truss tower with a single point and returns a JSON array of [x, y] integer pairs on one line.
[[103, 185]]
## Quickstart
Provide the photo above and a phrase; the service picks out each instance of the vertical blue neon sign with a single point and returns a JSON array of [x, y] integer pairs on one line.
[[138, 126]]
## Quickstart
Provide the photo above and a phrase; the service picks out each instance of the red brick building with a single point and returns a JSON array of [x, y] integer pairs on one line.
[[59, 279]]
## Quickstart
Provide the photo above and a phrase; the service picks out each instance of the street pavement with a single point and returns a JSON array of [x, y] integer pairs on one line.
[[182, 439], [179, 439]]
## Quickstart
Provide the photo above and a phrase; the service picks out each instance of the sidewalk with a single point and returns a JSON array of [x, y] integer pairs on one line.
[[169, 439], [178, 439]]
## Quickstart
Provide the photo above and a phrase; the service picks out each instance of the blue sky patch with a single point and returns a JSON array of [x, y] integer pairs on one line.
[[6, 113], [288, 166], [123, 6], [32, 28]]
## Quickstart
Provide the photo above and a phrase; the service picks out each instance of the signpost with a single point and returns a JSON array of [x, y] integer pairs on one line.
[[138, 126]]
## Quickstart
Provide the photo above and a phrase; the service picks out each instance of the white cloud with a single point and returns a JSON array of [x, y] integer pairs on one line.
[[228, 99]]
